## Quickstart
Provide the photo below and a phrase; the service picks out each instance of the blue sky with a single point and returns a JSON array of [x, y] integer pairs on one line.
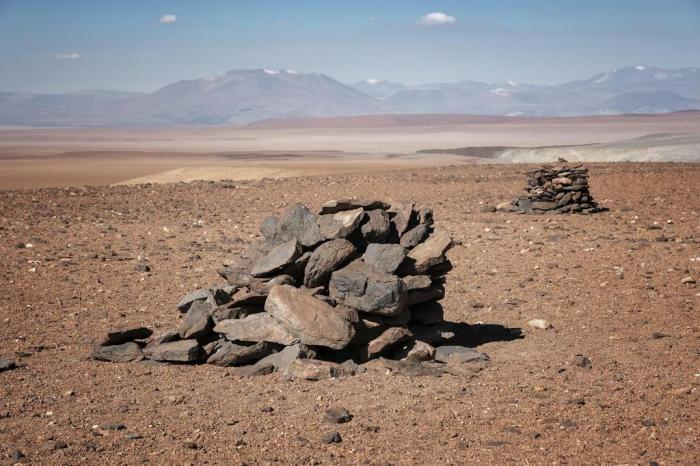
[[56, 46]]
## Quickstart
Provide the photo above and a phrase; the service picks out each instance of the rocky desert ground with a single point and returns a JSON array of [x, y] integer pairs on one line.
[[611, 376]]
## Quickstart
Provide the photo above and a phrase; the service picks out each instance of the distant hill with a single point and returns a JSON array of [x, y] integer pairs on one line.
[[242, 97]]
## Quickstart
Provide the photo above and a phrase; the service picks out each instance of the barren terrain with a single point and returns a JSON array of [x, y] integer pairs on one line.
[[610, 284], [282, 148]]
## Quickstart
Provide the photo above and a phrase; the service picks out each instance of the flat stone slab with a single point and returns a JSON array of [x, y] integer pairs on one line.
[[327, 258], [186, 351], [124, 352], [338, 205], [459, 355], [341, 224], [310, 320], [277, 258], [230, 354], [255, 328], [314, 370], [363, 287]]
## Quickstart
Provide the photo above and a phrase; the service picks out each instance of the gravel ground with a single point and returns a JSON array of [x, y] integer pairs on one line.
[[609, 284]]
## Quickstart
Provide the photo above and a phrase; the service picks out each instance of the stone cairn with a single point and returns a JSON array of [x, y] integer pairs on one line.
[[315, 297], [556, 190]]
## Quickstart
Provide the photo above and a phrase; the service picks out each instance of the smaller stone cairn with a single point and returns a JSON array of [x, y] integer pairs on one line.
[[318, 295], [556, 190]]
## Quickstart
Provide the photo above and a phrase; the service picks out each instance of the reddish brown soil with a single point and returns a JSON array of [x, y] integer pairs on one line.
[[638, 403]]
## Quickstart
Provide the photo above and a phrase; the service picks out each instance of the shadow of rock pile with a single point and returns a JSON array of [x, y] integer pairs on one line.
[[319, 296], [556, 190]]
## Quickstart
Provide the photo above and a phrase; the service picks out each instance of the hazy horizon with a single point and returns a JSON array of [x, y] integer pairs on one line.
[[52, 47]]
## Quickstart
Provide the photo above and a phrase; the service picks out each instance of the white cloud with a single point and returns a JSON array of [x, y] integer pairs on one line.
[[436, 18], [168, 19], [67, 56]]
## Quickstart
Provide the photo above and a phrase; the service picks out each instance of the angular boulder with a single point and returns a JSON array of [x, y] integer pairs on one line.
[[341, 224], [197, 322], [310, 320], [278, 257], [404, 217], [426, 255], [363, 287], [327, 258], [376, 226], [184, 351], [384, 257], [298, 223], [459, 355], [415, 236], [255, 328]]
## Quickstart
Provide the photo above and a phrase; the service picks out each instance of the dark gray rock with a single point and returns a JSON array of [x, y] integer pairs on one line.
[[331, 437], [340, 224], [255, 328], [415, 235], [310, 320], [124, 352], [253, 370], [215, 296], [228, 311], [417, 282], [284, 358], [269, 228], [582, 361], [339, 205], [186, 351], [327, 258], [278, 257], [8, 365], [404, 217], [376, 227], [432, 293], [337, 416], [117, 337], [426, 255], [384, 257], [298, 223], [363, 287], [459, 355], [197, 322], [230, 354]]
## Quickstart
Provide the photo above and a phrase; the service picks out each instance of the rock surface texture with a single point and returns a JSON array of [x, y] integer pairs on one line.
[[315, 296]]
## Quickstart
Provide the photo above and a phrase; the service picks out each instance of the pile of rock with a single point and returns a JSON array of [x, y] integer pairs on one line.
[[315, 296], [557, 190]]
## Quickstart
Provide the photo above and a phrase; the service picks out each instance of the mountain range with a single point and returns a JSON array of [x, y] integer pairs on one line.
[[241, 97]]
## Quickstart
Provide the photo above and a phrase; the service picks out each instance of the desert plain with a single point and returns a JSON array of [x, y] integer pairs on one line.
[[80, 209]]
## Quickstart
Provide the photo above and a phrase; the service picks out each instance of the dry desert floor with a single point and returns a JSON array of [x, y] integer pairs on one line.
[[610, 285]]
